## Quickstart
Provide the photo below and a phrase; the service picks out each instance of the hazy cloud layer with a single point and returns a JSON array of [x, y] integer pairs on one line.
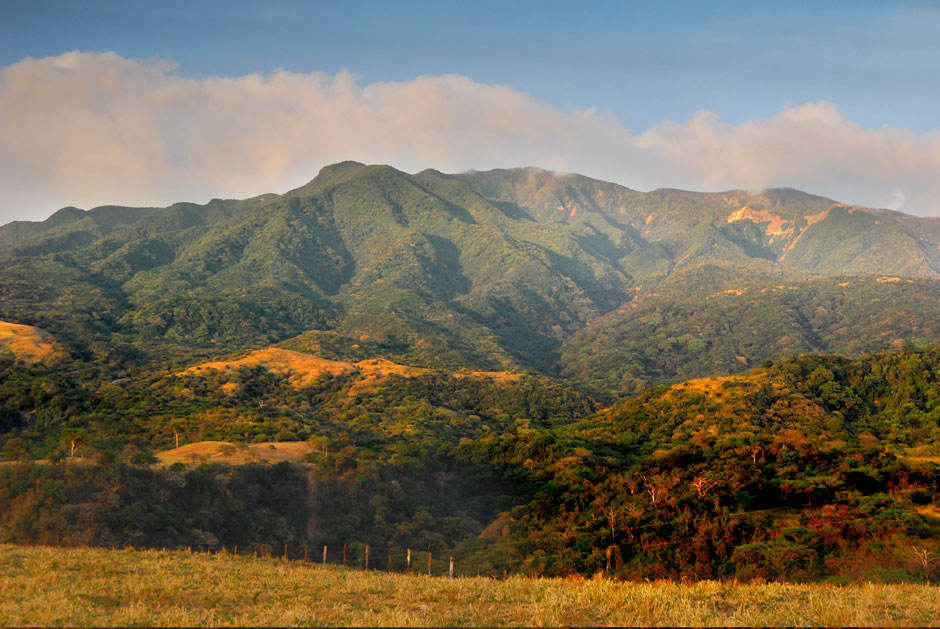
[[87, 129]]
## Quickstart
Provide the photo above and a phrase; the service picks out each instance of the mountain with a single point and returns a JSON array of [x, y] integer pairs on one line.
[[69, 228], [518, 269]]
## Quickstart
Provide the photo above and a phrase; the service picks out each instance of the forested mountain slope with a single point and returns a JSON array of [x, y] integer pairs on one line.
[[487, 270]]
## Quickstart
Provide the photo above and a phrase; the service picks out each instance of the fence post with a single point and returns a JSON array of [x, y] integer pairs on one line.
[[344, 555], [324, 554], [367, 556], [451, 567], [236, 551], [285, 552], [429, 563], [409, 560]]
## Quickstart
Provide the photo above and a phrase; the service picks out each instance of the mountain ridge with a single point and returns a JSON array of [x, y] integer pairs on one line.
[[487, 270]]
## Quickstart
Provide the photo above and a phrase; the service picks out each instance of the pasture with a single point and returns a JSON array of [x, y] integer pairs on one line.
[[83, 587]]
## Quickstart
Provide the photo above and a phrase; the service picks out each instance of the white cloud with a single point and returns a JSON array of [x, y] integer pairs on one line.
[[92, 128], [811, 147]]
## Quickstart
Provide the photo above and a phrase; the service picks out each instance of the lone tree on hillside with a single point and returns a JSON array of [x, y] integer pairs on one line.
[[176, 426], [73, 436]]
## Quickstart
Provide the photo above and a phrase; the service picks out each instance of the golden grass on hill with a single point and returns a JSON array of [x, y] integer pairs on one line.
[[707, 386], [29, 344], [81, 587], [374, 370], [236, 454], [302, 369], [305, 369]]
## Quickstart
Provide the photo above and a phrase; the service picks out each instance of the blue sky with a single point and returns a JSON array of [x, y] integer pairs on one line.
[[642, 63]]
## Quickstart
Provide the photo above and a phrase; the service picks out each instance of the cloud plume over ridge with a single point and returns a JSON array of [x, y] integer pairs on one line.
[[93, 128]]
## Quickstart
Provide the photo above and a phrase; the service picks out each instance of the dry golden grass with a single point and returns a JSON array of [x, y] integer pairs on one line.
[[305, 369], [374, 370], [29, 344], [82, 587], [236, 454], [302, 369]]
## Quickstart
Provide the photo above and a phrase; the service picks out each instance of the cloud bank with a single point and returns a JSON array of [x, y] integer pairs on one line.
[[87, 129]]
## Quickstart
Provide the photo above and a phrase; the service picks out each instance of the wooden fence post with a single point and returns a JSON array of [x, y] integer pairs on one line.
[[306, 552], [344, 555], [285, 552], [409, 560], [367, 556], [429, 563], [236, 551], [324, 554], [451, 567]]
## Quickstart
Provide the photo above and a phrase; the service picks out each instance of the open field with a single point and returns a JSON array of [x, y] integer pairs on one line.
[[49, 586], [236, 454]]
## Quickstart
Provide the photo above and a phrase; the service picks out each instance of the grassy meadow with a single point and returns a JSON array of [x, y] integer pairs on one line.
[[59, 586]]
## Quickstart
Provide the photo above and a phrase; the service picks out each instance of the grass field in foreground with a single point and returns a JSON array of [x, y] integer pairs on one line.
[[57, 586]]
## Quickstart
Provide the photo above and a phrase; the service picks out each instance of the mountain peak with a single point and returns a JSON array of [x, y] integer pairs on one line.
[[65, 215], [341, 168]]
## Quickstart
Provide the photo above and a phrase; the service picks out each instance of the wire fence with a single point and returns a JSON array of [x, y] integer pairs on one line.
[[359, 556], [404, 560]]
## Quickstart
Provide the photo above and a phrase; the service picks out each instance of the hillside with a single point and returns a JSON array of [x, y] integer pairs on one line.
[[825, 460], [488, 271], [788, 471], [728, 325]]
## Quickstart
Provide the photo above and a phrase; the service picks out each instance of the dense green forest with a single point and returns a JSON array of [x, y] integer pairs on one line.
[[809, 467], [498, 365]]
